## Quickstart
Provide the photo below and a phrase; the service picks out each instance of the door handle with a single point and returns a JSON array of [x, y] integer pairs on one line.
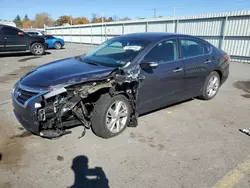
[[178, 70], [207, 61]]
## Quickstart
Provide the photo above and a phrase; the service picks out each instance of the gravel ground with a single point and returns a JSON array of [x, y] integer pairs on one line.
[[192, 144]]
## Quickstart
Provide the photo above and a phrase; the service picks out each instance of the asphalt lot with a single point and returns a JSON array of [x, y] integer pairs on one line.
[[192, 144]]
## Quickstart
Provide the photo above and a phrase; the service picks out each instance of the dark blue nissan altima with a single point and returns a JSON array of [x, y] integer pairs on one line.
[[108, 88]]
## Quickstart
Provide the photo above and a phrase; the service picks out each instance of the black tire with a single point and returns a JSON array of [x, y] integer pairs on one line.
[[205, 95], [57, 45], [37, 49], [98, 118]]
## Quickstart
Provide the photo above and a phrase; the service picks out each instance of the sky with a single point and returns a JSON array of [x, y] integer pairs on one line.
[[130, 8]]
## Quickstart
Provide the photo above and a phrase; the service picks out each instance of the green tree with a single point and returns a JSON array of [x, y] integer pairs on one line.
[[18, 21], [26, 18]]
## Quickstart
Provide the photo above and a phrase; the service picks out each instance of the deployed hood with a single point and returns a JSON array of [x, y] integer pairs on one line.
[[67, 72]]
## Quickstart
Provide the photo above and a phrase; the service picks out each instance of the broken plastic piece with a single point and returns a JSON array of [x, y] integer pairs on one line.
[[53, 134], [83, 133]]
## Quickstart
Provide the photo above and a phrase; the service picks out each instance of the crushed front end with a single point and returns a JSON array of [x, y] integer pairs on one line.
[[49, 113]]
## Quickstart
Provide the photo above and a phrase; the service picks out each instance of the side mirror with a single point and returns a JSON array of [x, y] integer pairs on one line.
[[20, 34], [149, 65]]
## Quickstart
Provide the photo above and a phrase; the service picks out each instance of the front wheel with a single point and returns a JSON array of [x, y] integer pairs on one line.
[[37, 49], [211, 86], [110, 115]]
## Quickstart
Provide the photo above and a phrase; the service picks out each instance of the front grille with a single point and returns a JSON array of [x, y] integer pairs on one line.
[[22, 95]]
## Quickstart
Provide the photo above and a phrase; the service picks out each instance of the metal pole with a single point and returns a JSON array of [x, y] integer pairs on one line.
[[91, 35], [80, 35], [146, 26], [105, 30], [223, 32], [123, 28]]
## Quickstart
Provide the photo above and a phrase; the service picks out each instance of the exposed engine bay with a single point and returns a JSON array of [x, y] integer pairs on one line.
[[72, 104]]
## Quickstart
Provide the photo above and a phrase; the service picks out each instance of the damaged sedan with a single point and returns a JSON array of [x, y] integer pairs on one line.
[[108, 88]]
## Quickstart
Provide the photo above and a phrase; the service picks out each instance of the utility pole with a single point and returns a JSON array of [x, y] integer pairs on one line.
[[174, 21], [154, 12]]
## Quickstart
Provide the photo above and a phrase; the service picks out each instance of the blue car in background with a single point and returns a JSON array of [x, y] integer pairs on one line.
[[54, 42]]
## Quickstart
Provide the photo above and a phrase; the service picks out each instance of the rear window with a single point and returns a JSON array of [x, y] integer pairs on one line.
[[192, 48]]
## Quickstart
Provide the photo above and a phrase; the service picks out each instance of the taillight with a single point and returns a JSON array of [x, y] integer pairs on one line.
[[227, 58]]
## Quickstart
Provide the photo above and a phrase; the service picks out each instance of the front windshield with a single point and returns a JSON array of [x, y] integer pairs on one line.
[[116, 52]]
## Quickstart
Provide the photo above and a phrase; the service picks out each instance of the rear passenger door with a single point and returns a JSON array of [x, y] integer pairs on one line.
[[196, 58], [14, 41]]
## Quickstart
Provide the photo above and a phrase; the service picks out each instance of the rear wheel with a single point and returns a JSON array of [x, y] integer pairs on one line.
[[37, 49], [110, 116], [57, 45], [211, 86]]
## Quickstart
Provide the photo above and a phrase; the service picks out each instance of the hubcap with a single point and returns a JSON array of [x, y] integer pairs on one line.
[[38, 49], [213, 86], [116, 116], [57, 45]]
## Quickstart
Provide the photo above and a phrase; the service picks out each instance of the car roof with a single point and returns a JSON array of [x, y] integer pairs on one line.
[[153, 36]]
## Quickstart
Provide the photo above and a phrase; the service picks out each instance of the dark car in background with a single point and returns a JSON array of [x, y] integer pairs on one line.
[[108, 88], [13, 39]]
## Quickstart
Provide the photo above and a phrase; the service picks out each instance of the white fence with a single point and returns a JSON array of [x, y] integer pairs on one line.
[[228, 31]]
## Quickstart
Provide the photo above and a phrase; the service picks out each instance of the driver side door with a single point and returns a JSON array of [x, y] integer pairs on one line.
[[164, 72]]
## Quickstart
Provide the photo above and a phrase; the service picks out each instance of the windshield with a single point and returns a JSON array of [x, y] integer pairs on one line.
[[115, 52]]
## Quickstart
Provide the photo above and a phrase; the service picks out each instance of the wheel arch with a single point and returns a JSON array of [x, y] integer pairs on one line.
[[220, 73], [34, 43]]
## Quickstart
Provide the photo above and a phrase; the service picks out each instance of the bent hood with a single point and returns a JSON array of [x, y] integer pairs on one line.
[[67, 72]]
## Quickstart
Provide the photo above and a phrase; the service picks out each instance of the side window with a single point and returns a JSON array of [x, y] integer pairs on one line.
[[163, 51], [191, 48], [10, 31], [207, 48]]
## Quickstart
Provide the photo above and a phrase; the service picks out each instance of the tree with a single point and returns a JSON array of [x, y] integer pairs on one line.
[[18, 21], [27, 24], [80, 20], [109, 19], [94, 18], [26, 18], [42, 19], [63, 19]]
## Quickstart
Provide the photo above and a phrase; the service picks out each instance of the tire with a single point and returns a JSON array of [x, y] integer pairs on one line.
[[57, 45], [37, 49], [206, 95], [101, 116]]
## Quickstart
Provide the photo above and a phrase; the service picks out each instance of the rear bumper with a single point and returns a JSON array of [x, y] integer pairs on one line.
[[225, 74]]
